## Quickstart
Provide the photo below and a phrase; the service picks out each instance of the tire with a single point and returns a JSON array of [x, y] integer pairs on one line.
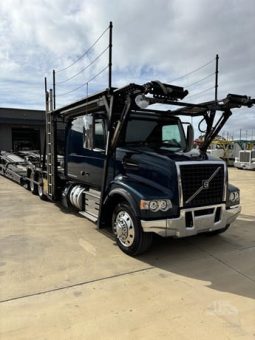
[[129, 235], [33, 186], [40, 190], [218, 231], [26, 184]]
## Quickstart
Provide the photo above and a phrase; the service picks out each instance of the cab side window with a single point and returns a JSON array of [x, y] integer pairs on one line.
[[86, 133], [99, 134]]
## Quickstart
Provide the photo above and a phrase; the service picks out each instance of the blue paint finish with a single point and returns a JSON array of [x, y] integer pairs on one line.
[[149, 174]]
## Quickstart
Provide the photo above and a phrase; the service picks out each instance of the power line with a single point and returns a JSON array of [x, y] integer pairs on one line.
[[85, 68], [198, 81], [195, 70], [209, 88], [85, 53], [79, 87], [98, 74]]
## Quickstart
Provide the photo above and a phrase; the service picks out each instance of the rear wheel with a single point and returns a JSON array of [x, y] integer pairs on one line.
[[129, 235]]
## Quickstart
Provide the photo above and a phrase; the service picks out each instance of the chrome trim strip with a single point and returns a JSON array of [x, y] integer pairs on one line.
[[234, 206], [179, 180], [200, 162], [225, 182]]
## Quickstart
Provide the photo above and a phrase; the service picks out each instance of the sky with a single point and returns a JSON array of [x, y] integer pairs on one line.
[[174, 41]]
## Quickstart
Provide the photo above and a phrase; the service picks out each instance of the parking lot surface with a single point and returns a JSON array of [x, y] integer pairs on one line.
[[61, 278]]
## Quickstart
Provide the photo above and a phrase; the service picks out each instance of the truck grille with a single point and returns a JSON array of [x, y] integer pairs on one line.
[[245, 156], [202, 184]]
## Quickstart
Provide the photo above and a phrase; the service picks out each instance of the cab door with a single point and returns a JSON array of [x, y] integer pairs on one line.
[[86, 149]]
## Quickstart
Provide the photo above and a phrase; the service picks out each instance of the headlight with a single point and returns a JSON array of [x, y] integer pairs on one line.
[[234, 196], [165, 205], [156, 205]]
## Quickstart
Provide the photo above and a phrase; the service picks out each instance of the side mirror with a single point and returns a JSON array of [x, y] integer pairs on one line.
[[189, 138]]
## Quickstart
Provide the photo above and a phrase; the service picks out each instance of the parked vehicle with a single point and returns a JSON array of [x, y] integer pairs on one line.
[[132, 168], [246, 160], [224, 149], [13, 167]]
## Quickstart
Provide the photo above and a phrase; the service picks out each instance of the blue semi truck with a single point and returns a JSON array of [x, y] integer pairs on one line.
[[132, 168]]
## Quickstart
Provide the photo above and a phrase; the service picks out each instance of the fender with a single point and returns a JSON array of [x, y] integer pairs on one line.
[[133, 191], [127, 196]]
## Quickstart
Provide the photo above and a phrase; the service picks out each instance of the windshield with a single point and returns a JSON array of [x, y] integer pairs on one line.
[[156, 132]]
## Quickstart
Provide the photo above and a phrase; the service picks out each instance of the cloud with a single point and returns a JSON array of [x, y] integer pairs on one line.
[[151, 40]]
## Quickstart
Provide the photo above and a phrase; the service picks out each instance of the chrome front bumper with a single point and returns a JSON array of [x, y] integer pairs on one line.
[[200, 223]]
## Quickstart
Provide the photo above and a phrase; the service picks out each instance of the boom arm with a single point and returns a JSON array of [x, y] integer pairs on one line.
[[170, 94], [231, 101]]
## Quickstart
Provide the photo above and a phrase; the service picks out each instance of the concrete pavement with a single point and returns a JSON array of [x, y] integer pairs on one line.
[[60, 278]]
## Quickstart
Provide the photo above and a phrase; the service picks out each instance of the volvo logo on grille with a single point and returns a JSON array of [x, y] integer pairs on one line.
[[205, 185]]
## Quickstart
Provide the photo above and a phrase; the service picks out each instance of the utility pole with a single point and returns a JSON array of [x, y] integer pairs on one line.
[[43, 164], [216, 77], [51, 100], [46, 95], [54, 89], [110, 56], [240, 134]]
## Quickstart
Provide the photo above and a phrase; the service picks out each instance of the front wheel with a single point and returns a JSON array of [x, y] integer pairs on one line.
[[129, 235]]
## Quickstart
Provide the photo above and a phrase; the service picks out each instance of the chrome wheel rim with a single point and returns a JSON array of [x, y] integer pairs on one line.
[[124, 228]]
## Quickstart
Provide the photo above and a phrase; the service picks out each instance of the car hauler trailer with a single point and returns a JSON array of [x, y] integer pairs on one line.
[[131, 167]]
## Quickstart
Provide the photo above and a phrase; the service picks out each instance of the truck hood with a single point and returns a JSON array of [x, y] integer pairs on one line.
[[155, 172], [154, 168]]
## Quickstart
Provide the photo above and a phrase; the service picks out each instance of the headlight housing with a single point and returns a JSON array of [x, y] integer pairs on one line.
[[156, 205]]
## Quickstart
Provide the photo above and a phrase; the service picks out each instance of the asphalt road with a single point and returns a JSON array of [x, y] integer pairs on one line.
[[61, 278]]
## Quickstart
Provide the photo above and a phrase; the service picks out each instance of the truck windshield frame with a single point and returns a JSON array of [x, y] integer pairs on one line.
[[154, 130]]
